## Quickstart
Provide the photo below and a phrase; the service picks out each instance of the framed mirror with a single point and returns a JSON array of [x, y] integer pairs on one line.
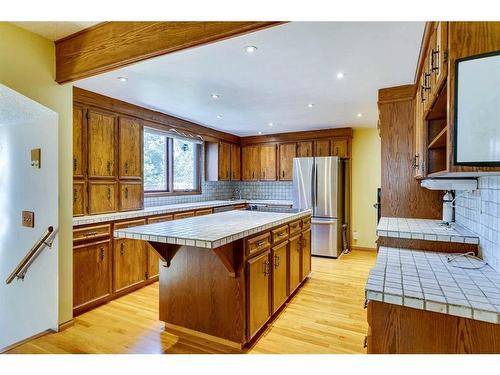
[[477, 110]]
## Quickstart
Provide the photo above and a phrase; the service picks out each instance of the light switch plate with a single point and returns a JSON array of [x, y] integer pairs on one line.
[[35, 158], [28, 219]]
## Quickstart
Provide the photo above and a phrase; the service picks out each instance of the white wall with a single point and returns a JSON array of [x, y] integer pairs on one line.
[[31, 306]]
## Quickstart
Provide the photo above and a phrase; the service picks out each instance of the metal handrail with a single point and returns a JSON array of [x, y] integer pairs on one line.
[[22, 267]]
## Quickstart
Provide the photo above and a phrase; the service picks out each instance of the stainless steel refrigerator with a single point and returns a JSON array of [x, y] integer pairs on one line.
[[318, 184]]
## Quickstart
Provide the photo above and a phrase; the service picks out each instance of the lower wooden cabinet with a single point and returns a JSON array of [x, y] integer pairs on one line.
[[279, 257], [102, 197], [306, 253], [183, 215], [294, 256], [153, 258], [259, 309], [91, 273]]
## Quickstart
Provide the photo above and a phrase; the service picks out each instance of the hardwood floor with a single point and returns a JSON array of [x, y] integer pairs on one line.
[[326, 316]]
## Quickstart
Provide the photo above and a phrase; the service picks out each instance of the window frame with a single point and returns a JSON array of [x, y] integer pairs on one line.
[[169, 178]]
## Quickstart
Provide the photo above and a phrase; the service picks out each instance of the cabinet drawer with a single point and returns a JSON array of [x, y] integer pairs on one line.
[[128, 224], [239, 206], [160, 219], [206, 211], [96, 232], [102, 197], [183, 215], [295, 227], [280, 234], [130, 196], [306, 223], [259, 243]]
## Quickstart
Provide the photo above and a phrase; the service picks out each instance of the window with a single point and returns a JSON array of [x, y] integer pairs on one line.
[[171, 165]]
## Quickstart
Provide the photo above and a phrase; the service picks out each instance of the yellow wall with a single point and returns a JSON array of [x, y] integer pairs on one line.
[[27, 65], [365, 181]]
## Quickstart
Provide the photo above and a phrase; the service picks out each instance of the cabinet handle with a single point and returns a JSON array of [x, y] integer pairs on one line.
[[283, 174], [253, 175], [90, 234], [75, 195], [266, 267], [264, 174], [126, 193], [366, 304], [74, 164], [422, 96], [415, 161], [121, 249], [276, 261], [109, 166], [126, 167], [427, 87], [101, 254], [109, 194], [365, 342], [433, 60], [260, 243]]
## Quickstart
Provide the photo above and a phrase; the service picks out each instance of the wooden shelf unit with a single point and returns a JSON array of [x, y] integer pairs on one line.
[[437, 134]]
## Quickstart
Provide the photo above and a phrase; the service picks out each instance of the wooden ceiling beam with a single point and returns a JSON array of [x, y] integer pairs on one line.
[[112, 45]]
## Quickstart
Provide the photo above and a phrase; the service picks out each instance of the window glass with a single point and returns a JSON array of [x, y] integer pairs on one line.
[[184, 164], [155, 162]]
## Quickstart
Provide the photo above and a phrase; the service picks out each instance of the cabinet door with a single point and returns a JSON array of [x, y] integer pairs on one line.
[[268, 162], [340, 148], [287, 152], [130, 148], [294, 263], [79, 198], [419, 136], [129, 263], [91, 272], [250, 163], [224, 161], [280, 267], [258, 284], [235, 163], [78, 141], [101, 130], [306, 253], [102, 197], [305, 149], [439, 58], [183, 215], [322, 147], [131, 196], [153, 258]]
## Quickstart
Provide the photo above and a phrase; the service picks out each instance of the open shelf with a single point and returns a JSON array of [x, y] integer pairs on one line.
[[437, 135], [439, 140]]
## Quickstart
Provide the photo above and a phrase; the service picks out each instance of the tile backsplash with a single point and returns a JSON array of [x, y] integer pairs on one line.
[[266, 189], [479, 211]]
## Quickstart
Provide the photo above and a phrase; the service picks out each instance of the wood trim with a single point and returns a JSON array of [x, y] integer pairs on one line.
[[179, 331], [19, 343], [66, 325], [297, 136], [154, 119], [396, 94], [112, 45], [424, 44], [362, 248]]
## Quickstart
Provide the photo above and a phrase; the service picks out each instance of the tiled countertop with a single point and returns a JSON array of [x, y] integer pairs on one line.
[[427, 281], [157, 210], [210, 231], [424, 229]]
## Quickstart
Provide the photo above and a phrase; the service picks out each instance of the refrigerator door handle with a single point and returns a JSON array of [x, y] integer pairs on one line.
[[315, 186]]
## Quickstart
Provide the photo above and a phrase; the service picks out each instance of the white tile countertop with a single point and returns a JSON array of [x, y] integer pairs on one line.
[[158, 210], [428, 281], [210, 231], [424, 229]]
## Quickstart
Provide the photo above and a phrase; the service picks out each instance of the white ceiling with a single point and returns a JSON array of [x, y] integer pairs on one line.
[[54, 30], [295, 64]]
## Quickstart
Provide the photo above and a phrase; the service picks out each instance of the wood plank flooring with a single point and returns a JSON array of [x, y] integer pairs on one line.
[[325, 316]]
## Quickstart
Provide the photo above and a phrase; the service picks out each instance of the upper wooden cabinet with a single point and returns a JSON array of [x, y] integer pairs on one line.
[[287, 151], [131, 196], [268, 162], [340, 147], [102, 197], [130, 148], [101, 144], [218, 161], [250, 164], [78, 142], [235, 163], [305, 149], [322, 147], [224, 161], [79, 198]]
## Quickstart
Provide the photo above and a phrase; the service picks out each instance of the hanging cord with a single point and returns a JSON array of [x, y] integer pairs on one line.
[[469, 255]]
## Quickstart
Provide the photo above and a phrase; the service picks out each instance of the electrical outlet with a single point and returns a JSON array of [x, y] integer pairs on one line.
[[28, 219], [355, 235]]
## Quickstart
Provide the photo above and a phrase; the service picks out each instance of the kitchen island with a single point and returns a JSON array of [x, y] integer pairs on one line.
[[225, 276]]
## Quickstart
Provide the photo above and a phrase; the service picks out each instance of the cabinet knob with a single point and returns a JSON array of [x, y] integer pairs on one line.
[[75, 195], [75, 163], [101, 254], [108, 167], [126, 193], [126, 167], [109, 194]]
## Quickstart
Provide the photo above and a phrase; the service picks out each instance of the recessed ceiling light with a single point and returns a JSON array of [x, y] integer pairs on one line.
[[122, 79], [250, 49], [340, 75], [215, 96], [260, 133], [310, 105], [219, 116], [359, 115], [271, 124]]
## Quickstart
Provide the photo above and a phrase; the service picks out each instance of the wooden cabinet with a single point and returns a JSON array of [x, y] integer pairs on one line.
[[183, 215], [153, 258], [205, 211], [305, 149], [287, 151], [131, 196], [259, 311], [79, 198], [250, 163], [130, 148], [78, 142], [217, 161], [279, 257], [268, 162], [101, 133], [91, 273], [438, 56], [235, 163], [306, 253], [224, 161], [340, 147], [322, 147], [102, 197], [294, 256]]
